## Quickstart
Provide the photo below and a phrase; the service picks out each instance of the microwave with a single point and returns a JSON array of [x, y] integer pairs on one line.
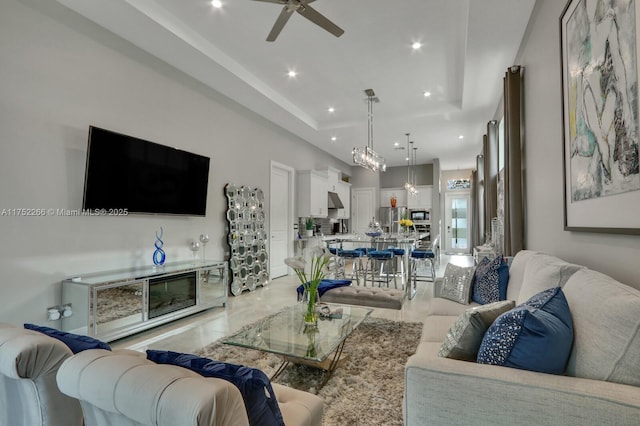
[[420, 216]]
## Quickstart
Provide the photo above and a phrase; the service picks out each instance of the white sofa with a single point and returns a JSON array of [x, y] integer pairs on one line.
[[43, 384], [124, 388], [601, 384]]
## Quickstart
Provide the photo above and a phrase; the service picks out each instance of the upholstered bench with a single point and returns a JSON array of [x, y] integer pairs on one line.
[[374, 297]]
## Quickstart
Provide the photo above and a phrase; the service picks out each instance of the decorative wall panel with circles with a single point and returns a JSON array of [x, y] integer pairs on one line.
[[246, 238]]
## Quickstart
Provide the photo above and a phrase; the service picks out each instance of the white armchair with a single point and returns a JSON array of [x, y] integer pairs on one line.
[[29, 395]]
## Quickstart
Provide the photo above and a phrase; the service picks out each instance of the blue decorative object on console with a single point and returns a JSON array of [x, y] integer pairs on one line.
[[535, 336], [158, 255], [255, 387], [75, 342]]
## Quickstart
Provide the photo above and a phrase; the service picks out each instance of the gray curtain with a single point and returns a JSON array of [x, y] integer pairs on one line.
[[479, 202], [490, 154], [473, 225], [514, 237]]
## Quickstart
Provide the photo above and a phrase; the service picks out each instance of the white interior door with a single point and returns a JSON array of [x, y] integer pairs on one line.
[[280, 218], [363, 208], [457, 222]]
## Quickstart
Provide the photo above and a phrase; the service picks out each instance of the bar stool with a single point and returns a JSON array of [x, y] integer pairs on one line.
[[365, 250], [336, 265], [356, 262], [385, 259], [417, 258], [398, 254]]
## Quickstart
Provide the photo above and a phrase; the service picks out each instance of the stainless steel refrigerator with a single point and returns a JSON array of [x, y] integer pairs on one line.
[[389, 218]]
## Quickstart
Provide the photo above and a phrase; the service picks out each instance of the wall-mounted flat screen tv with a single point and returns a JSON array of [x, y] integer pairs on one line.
[[124, 172]]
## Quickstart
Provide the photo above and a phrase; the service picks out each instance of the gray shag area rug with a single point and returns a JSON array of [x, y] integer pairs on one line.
[[367, 389]]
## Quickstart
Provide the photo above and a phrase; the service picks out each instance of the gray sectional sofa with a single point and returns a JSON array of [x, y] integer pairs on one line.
[[601, 384]]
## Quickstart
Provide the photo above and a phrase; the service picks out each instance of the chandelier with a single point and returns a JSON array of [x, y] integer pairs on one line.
[[410, 185], [365, 156]]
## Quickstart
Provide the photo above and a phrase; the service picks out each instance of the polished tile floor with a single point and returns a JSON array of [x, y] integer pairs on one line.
[[199, 330]]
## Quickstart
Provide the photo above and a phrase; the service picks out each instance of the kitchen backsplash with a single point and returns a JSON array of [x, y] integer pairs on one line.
[[325, 225]]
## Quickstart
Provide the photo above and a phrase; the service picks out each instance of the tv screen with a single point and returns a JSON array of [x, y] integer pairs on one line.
[[124, 172]]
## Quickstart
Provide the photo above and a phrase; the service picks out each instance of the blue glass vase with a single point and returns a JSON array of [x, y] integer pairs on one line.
[[159, 255]]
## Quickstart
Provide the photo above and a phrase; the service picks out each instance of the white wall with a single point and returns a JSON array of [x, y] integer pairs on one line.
[[61, 73], [615, 255]]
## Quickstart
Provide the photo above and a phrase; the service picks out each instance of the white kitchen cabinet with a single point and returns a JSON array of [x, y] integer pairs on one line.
[[422, 200], [312, 194], [387, 193], [343, 189]]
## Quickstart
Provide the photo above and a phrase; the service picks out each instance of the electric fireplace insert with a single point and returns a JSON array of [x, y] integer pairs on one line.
[[171, 293]]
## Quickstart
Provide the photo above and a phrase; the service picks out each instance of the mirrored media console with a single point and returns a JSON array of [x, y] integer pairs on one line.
[[114, 304]]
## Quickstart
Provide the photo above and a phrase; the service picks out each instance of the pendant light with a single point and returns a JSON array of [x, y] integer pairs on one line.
[[365, 156]]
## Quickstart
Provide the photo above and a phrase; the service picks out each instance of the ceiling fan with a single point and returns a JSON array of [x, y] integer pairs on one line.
[[303, 8]]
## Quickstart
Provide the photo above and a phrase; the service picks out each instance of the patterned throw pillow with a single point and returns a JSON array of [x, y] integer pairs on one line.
[[464, 338], [490, 281], [456, 283], [535, 336]]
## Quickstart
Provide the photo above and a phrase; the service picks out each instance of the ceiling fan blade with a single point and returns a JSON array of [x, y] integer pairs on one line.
[[318, 19], [280, 22]]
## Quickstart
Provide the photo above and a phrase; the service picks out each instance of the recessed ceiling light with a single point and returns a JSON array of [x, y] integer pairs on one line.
[[333, 139], [427, 94], [292, 73], [396, 144], [461, 137], [331, 109], [216, 3], [416, 45], [406, 158]]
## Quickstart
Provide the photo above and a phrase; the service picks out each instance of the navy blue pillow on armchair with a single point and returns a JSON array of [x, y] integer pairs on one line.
[[490, 281], [75, 342], [262, 407]]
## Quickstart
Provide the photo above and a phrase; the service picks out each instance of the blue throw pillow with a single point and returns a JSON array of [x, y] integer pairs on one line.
[[262, 407], [325, 285], [75, 342], [535, 336], [490, 281]]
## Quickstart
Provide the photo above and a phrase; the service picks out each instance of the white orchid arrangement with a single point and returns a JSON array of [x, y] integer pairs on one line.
[[319, 260]]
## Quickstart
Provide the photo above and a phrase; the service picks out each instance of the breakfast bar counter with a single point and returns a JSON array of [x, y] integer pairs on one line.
[[404, 241]]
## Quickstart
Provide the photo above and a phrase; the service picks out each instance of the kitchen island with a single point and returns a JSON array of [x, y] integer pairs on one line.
[[407, 242]]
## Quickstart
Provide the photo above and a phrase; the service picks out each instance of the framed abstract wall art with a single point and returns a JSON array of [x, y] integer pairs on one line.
[[600, 116]]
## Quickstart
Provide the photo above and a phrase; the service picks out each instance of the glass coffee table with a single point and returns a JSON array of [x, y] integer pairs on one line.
[[285, 334]]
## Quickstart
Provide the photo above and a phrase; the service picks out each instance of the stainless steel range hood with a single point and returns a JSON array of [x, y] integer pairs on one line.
[[334, 201]]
